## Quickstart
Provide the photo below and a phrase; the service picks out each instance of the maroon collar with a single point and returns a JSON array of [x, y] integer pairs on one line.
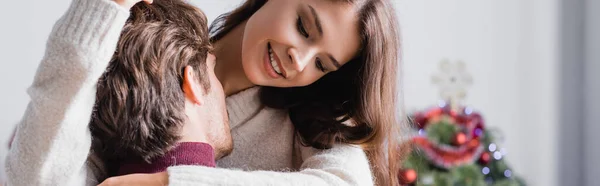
[[185, 153]]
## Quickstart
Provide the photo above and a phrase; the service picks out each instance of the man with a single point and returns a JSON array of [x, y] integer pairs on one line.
[[159, 93]]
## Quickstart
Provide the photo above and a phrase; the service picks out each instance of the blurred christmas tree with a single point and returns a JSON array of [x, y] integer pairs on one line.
[[452, 146]]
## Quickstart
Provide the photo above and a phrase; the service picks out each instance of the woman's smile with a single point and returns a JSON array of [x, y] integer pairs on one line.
[[273, 64]]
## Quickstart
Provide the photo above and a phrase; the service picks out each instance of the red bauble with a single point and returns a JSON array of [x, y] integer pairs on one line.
[[420, 120], [407, 176], [460, 139], [485, 158]]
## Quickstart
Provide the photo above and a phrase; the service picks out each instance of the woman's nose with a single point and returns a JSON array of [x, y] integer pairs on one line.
[[299, 59]]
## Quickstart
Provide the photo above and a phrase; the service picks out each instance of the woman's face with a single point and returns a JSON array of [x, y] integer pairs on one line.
[[291, 43]]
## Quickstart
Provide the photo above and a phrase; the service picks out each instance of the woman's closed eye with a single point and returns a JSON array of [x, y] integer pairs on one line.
[[300, 26], [303, 32], [320, 65]]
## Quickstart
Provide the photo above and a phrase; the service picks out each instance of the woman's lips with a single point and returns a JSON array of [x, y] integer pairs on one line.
[[278, 61], [267, 64]]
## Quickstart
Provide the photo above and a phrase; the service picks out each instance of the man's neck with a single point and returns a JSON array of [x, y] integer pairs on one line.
[[189, 130], [229, 69]]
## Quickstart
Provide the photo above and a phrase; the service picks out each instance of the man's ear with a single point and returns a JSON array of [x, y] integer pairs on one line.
[[192, 89]]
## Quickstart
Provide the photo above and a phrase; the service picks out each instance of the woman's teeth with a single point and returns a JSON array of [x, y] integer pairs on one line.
[[273, 62]]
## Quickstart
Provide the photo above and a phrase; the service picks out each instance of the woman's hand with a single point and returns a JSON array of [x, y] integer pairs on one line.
[[156, 179], [129, 3]]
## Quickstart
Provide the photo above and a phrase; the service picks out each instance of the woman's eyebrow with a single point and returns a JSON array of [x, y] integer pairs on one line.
[[317, 21], [335, 62]]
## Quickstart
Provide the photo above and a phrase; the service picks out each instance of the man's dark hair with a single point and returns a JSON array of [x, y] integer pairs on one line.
[[139, 107]]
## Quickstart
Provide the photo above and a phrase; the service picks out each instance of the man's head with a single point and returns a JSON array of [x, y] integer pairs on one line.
[[158, 85]]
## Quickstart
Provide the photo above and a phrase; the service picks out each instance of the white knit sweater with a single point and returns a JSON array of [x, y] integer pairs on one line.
[[53, 141]]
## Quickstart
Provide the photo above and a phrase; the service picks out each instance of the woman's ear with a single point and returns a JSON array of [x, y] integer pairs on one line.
[[192, 89]]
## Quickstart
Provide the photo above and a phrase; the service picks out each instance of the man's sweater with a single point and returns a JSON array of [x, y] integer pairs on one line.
[[184, 153], [52, 142]]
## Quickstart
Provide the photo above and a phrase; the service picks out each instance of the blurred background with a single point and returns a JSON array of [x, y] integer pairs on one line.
[[533, 64]]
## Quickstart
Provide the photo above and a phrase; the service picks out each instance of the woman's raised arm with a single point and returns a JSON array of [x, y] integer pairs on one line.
[[52, 141]]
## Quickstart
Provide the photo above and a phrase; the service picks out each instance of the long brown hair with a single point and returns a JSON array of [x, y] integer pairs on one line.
[[139, 107], [356, 104]]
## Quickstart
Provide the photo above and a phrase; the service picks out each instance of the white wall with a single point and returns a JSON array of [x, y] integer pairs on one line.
[[592, 86], [509, 47]]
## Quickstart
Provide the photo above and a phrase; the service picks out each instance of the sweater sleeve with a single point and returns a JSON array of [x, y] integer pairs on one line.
[[340, 165], [52, 141]]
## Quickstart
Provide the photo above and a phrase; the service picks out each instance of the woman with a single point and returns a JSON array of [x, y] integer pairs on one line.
[[325, 70]]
